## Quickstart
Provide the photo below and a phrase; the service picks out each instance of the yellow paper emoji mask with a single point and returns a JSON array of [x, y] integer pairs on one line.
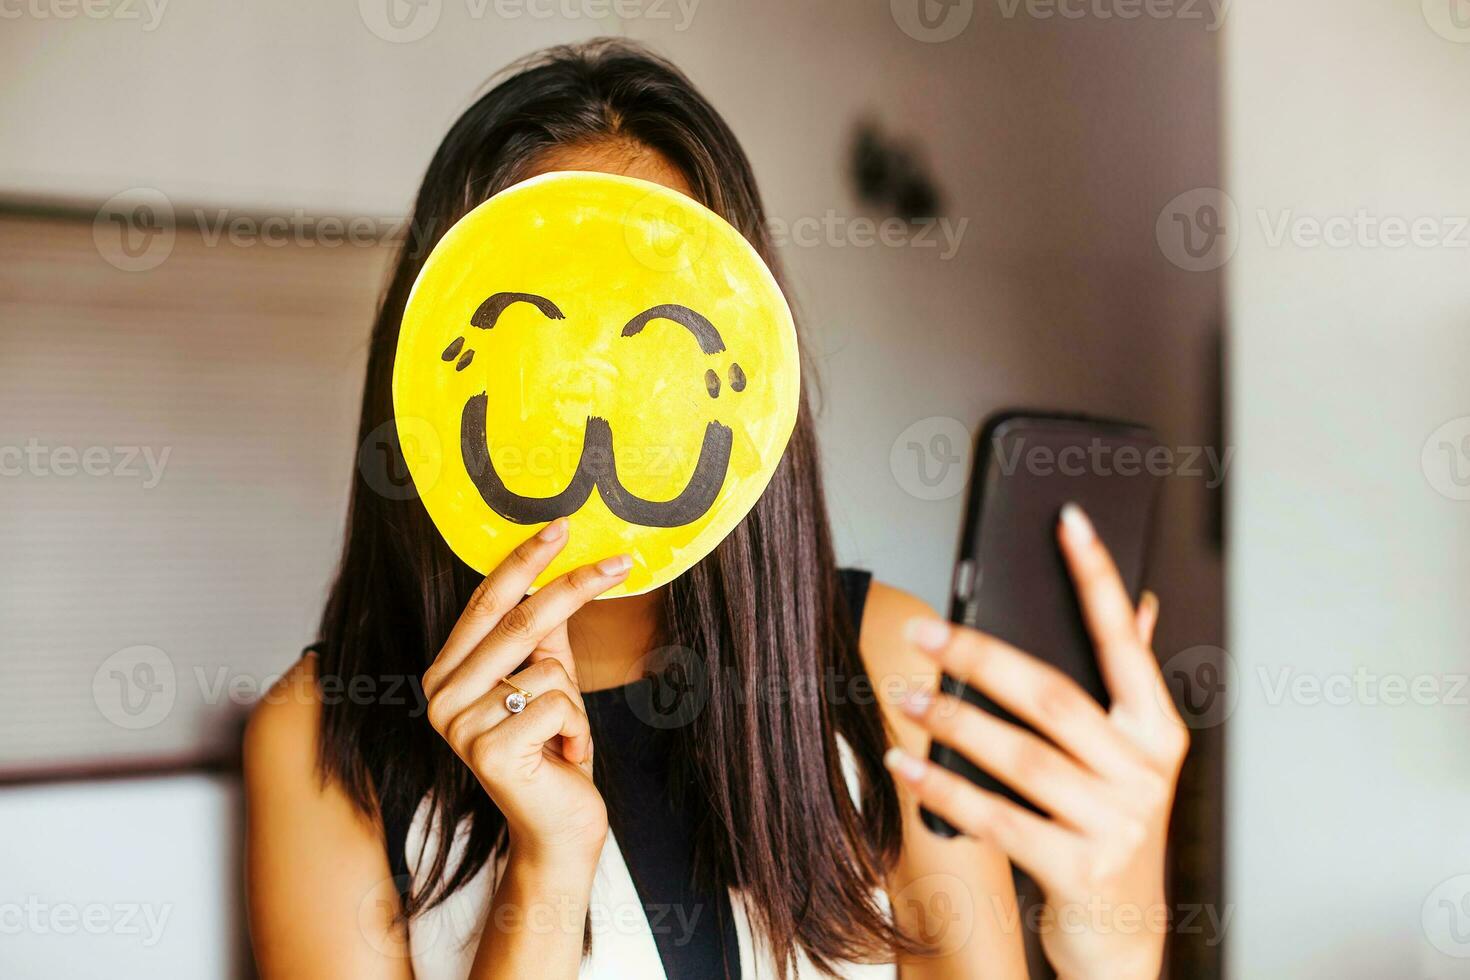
[[602, 348]]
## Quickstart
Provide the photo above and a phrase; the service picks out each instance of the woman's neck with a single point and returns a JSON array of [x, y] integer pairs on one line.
[[610, 637]]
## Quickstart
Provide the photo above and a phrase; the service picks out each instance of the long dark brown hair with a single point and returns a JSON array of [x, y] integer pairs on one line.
[[763, 613]]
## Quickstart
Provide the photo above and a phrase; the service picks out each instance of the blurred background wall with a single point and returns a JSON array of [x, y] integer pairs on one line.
[[1058, 146], [1348, 294]]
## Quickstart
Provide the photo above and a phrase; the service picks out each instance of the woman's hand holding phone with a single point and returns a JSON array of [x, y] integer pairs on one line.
[[1107, 777], [536, 764]]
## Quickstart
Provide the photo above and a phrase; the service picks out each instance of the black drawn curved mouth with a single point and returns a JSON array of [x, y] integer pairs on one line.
[[597, 467]]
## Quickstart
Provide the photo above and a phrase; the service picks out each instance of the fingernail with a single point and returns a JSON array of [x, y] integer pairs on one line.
[[917, 703], [553, 530], [899, 761], [616, 565], [928, 634], [1075, 524]]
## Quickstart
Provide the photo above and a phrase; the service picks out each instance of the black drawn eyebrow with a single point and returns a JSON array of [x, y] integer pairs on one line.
[[709, 338], [491, 309]]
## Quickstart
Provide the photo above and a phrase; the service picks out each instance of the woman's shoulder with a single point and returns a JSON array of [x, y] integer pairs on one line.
[[281, 758], [315, 862], [895, 667], [291, 801], [281, 734], [882, 633], [888, 603]]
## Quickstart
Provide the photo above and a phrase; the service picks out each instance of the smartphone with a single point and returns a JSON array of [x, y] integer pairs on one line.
[[1010, 579]]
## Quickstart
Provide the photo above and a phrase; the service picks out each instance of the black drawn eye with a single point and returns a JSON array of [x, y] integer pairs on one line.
[[704, 332], [712, 382], [490, 310], [453, 351], [737, 377]]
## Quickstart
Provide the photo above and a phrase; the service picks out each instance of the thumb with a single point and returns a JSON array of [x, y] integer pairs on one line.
[[1147, 617], [556, 645]]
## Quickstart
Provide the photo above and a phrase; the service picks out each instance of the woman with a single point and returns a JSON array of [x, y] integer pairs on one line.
[[761, 835]]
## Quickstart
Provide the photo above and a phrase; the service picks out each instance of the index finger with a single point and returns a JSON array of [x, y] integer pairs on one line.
[[500, 591], [557, 645], [524, 626], [1128, 668], [1034, 691]]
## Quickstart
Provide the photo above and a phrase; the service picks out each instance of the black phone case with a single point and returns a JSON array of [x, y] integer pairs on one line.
[[1011, 581]]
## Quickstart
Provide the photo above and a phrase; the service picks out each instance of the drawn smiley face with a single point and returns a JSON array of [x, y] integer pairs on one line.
[[601, 348]]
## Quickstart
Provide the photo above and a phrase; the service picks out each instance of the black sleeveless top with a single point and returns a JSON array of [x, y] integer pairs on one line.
[[692, 925]]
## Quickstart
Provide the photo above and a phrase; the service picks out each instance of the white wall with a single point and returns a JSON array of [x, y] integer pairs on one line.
[[1345, 818], [1056, 142], [128, 879]]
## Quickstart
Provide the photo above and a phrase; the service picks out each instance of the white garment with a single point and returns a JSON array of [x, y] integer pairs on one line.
[[443, 940]]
